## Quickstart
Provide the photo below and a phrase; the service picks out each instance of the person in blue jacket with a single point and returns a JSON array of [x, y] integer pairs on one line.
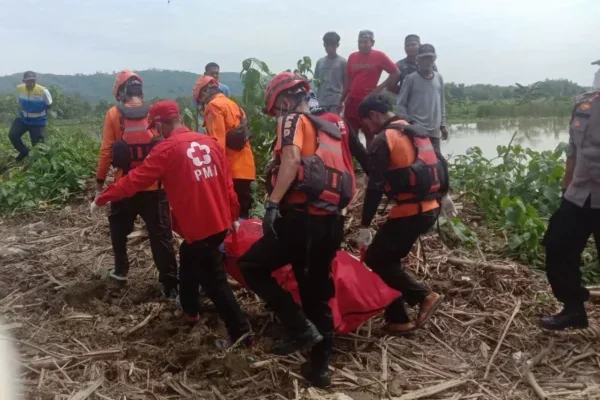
[[34, 102], [211, 69]]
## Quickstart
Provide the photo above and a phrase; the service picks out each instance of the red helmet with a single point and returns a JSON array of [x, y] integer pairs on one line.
[[282, 82], [202, 82], [123, 77]]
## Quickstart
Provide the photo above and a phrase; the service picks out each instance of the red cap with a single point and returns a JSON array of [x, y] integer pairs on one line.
[[162, 111]]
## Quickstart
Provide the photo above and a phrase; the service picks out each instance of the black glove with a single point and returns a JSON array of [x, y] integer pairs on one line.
[[271, 214]]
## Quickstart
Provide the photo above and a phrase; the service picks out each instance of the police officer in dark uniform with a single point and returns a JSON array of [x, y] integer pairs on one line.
[[578, 216]]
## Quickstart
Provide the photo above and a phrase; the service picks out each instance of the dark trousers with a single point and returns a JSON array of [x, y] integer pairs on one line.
[[568, 232], [391, 244], [200, 264], [309, 243], [244, 194], [18, 129], [153, 207], [436, 142]]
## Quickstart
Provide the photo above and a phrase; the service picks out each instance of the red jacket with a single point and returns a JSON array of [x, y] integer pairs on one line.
[[193, 170]]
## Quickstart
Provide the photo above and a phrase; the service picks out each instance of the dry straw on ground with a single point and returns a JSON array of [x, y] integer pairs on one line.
[[79, 338]]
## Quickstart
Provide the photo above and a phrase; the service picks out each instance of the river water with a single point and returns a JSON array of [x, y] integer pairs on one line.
[[536, 133]]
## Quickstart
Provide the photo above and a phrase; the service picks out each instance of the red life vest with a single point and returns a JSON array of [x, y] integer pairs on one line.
[[136, 139], [323, 176], [426, 178]]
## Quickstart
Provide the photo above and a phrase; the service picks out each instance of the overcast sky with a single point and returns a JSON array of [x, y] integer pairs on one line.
[[478, 41]]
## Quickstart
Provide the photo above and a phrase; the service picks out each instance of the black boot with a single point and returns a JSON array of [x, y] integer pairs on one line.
[[318, 377], [569, 317], [306, 339]]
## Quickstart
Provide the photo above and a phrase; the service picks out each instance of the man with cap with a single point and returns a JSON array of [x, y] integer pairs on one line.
[[408, 65], [422, 100], [34, 102], [195, 174], [422, 96], [363, 72]]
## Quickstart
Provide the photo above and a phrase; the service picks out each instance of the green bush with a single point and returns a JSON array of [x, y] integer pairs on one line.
[[516, 192], [55, 170], [513, 109]]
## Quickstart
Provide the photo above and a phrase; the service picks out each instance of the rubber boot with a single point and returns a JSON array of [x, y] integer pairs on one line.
[[316, 370], [573, 317], [304, 339]]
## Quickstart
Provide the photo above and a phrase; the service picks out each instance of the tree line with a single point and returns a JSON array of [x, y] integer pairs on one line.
[[551, 97]]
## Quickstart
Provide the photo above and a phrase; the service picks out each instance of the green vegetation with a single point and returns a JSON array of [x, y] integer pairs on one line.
[[55, 171], [549, 98], [97, 87], [516, 193]]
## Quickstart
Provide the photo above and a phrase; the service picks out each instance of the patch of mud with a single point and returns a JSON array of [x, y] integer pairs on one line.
[[84, 292]]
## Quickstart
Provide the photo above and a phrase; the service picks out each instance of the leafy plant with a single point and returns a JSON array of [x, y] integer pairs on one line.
[[516, 192], [55, 171]]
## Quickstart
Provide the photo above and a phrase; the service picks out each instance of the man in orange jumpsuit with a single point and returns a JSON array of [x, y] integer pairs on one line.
[[226, 121]]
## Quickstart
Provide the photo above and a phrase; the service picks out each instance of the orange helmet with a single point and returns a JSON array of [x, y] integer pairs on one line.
[[123, 77], [282, 82], [202, 82]]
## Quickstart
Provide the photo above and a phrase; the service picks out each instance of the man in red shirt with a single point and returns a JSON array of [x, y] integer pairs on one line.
[[363, 72], [195, 174]]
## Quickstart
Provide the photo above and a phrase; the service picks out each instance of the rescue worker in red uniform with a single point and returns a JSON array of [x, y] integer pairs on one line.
[[402, 162], [126, 141], [195, 174], [302, 224]]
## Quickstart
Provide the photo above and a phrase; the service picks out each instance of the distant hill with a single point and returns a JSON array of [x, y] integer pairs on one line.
[[93, 88]]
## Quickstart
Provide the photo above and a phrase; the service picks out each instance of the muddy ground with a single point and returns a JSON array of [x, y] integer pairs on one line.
[[80, 337]]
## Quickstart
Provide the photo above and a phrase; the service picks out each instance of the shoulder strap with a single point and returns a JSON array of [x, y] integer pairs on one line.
[[134, 113], [415, 130], [325, 126], [243, 115]]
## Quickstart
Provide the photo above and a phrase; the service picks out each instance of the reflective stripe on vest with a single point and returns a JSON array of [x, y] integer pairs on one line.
[[139, 128], [33, 115]]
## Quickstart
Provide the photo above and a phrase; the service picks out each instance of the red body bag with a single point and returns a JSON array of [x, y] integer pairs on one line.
[[359, 293]]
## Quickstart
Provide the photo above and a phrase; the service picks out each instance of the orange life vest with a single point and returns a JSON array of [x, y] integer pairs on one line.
[[426, 178], [323, 176], [343, 127], [136, 139]]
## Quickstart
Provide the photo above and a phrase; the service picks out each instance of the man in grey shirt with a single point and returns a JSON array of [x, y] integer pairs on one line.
[[422, 101], [331, 73], [577, 218], [422, 97]]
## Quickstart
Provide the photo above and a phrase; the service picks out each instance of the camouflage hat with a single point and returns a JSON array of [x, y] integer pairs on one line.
[[412, 38], [426, 50], [366, 34]]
